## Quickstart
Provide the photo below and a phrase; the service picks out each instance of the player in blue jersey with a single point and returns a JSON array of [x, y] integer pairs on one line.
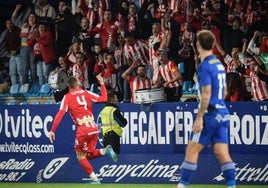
[[212, 120]]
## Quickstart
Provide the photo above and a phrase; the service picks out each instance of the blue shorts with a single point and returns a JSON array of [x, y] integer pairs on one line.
[[215, 130]]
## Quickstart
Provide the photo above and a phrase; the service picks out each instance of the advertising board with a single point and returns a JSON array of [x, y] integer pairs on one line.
[[152, 145]]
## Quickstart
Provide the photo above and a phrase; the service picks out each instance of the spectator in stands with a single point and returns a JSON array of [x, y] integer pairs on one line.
[[122, 8], [120, 60], [82, 35], [259, 45], [263, 76], [170, 25], [136, 50], [253, 43], [105, 67], [259, 88], [236, 58], [169, 73], [186, 56], [80, 70], [73, 49], [78, 14], [186, 52], [235, 10], [45, 13], [136, 21], [63, 67], [44, 52], [236, 90], [21, 13], [188, 33], [97, 50], [28, 29], [120, 11], [16, 68], [89, 60], [138, 81], [106, 4], [231, 35], [107, 31], [97, 54], [93, 12], [251, 14], [116, 67], [64, 28], [262, 17], [132, 20], [157, 37]]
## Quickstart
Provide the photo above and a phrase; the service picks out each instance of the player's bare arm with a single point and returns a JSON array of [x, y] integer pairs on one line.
[[204, 103]]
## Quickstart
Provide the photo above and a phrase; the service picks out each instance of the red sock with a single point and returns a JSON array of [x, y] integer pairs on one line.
[[87, 167], [96, 153]]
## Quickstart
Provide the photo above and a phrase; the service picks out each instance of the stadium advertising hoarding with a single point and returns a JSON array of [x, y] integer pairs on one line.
[[152, 149]]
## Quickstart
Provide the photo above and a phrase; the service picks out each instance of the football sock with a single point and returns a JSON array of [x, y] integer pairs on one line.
[[87, 167], [187, 171], [228, 170], [96, 153], [93, 177], [103, 151]]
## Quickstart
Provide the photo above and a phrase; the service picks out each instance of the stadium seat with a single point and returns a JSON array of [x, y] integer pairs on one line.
[[24, 88], [11, 103], [187, 87], [195, 88], [23, 103], [181, 67], [14, 90], [49, 102], [33, 91], [36, 103], [45, 91]]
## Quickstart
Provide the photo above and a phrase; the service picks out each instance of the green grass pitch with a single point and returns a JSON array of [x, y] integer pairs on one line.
[[70, 185]]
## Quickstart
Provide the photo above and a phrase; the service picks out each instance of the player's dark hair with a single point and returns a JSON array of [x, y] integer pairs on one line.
[[206, 39], [72, 82]]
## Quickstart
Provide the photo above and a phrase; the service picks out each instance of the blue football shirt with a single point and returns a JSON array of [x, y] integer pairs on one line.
[[211, 72]]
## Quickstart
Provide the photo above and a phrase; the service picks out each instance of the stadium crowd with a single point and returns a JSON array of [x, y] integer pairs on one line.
[[125, 41]]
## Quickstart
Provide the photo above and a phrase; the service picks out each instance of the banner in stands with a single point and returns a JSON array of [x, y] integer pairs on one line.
[[152, 150]]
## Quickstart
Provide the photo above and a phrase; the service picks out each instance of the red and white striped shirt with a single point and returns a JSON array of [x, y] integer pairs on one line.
[[81, 73], [259, 88], [167, 72], [152, 40], [230, 65], [137, 52], [174, 4], [136, 83], [105, 5], [94, 17]]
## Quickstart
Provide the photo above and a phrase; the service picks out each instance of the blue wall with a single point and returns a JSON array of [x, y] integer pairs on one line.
[[153, 145]]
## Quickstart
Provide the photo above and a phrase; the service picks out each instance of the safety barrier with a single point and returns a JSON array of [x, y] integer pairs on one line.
[[152, 150]]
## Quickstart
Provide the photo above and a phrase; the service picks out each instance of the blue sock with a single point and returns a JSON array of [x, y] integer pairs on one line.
[[228, 170], [187, 171]]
